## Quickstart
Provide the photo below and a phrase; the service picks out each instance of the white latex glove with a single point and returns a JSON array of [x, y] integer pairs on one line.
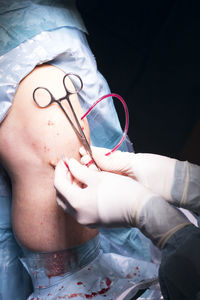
[[176, 181], [107, 199], [155, 172]]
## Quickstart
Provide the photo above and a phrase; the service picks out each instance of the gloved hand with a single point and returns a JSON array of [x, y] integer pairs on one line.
[[176, 181], [106, 199], [155, 172]]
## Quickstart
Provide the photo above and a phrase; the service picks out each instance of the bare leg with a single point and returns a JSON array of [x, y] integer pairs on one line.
[[31, 139]]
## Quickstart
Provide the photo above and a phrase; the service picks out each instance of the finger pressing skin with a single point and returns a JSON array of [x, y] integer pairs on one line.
[[78, 171]]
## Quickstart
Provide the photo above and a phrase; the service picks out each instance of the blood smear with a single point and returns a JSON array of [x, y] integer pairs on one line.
[[102, 291]]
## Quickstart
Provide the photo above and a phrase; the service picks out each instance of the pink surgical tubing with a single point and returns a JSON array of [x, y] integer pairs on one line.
[[126, 115]]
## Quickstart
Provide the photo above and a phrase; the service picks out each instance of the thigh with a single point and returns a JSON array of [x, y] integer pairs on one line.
[[31, 141]]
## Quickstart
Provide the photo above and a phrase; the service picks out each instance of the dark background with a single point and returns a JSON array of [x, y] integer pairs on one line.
[[149, 52]]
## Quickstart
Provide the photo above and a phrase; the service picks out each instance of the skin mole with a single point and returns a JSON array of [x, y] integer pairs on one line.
[[50, 123]]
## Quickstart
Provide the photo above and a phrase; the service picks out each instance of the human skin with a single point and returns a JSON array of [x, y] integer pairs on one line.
[[32, 140]]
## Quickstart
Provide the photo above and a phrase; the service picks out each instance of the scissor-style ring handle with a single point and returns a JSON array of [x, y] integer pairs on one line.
[[75, 91], [51, 98]]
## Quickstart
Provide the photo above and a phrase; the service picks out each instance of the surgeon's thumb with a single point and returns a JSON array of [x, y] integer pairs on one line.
[[78, 171], [101, 158]]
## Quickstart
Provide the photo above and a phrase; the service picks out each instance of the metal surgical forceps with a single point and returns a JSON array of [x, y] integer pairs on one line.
[[44, 98]]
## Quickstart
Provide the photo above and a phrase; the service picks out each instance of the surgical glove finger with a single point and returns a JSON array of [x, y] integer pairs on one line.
[[66, 183], [117, 162], [87, 160], [78, 199]]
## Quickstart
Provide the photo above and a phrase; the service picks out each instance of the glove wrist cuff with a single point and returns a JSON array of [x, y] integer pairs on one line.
[[159, 220]]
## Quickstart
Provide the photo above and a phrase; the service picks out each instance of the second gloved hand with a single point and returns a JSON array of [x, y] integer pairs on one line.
[[154, 171], [100, 198], [104, 199], [176, 181]]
